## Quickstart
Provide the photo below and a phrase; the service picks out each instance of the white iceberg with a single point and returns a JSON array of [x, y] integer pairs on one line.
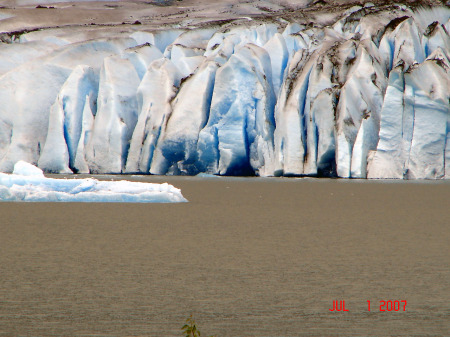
[[28, 183]]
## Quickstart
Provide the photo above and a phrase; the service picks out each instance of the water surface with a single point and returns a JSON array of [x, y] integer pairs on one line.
[[247, 257]]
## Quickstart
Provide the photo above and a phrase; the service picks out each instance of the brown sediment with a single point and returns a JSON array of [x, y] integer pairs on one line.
[[248, 257], [158, 14]]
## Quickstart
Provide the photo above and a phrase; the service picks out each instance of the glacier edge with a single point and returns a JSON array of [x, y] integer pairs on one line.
[[351, 99]]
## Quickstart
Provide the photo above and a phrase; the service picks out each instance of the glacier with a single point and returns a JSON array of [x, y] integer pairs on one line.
[[28, 183], [365, 94]]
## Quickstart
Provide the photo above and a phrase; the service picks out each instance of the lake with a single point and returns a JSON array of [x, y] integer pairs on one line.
[[245, 256]]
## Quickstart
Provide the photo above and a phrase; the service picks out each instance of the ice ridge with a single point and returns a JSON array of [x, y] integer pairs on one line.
[[364, 97]]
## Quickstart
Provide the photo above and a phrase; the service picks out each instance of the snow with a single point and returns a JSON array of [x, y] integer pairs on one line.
[[364, 95], [27, 183]]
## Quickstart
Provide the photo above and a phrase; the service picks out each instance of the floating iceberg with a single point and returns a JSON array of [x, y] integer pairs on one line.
[[28, 183]]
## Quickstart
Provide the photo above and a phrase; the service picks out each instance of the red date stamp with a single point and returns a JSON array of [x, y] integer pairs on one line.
[[390, 305], [339, 306], [384, 306]]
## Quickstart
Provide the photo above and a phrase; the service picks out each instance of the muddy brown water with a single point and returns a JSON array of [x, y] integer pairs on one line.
[[246, 257]]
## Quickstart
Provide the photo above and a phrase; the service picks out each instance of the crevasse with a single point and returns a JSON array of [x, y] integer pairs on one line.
[[355, 99]]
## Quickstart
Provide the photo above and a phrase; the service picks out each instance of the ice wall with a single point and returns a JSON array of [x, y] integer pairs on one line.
[[365, 97]]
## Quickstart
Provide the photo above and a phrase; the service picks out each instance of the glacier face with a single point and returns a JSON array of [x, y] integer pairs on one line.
[[366, 96]]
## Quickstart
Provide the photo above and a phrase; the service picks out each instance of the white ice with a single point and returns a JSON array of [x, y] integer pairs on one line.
[[365, 95], [27, 183]]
